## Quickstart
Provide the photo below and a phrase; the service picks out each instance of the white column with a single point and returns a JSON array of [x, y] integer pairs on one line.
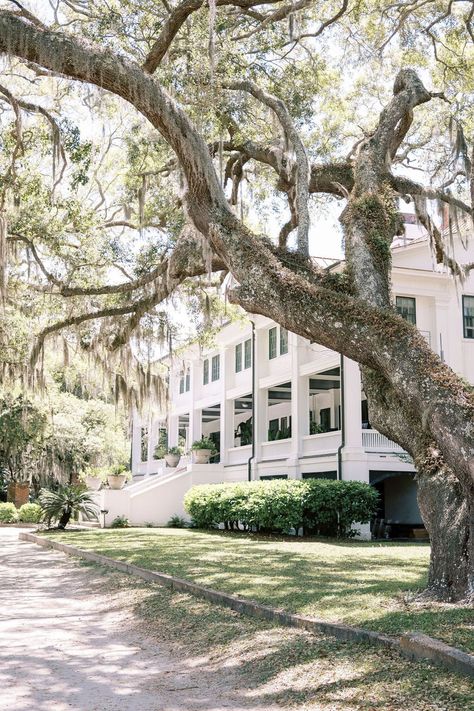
[[173, 430], [354, 458], [261, 400], [226, 416], [195, 415], [136, 444], [299, 405]]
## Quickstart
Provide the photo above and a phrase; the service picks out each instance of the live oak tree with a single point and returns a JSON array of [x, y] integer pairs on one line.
[[240, 86]]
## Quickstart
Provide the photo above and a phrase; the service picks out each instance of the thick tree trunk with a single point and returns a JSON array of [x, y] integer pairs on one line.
[[448, 519]]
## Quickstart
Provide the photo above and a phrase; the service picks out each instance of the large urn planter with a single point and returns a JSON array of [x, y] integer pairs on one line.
[[172, 460], [93, 483], [202, 456], [117, 481]]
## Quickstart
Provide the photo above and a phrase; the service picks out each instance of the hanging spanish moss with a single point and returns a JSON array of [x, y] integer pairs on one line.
[[3, 257], [212, 45]]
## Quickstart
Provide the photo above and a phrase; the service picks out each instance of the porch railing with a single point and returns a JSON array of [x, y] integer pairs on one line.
[[373, 441]]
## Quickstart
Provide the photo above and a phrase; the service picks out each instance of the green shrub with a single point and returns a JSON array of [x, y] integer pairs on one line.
[[320, 506], [30, 513], [8, 512], [176, 522], [120, 522], [331, 507]]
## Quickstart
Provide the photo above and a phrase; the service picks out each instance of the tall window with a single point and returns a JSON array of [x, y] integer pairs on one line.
[[283, 341], [205, 372], [185, 382], [238, 358], [272, 343], [216, 367], [406, 308], [468, 316], [248, 353]]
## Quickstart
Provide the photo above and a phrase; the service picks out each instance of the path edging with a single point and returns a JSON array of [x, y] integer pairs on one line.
[[413, 645]]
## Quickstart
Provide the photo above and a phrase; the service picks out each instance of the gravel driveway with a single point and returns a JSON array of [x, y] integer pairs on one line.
[[67, 644]]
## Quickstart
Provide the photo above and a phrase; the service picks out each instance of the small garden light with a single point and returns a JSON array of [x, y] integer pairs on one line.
[[104, 512]]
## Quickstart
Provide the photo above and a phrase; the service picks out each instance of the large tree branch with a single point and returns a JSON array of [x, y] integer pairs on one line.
[[184, 262], [176, 20], [301, 157]]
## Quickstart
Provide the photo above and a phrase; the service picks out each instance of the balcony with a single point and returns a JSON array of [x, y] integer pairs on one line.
[[373, 441]]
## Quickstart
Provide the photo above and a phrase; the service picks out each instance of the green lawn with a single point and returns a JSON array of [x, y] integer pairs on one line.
[[360, 583]]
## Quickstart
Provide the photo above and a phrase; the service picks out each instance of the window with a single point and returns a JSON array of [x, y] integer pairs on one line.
[[325, 419], [406, 308], [273, 348], [248, 353], [468, 316], [238, 358], [272, 343], [185, 382], [216, 366], [205, 372]]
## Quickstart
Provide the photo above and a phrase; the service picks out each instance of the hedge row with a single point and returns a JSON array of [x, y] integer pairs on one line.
[[317, 506], [28, 513]]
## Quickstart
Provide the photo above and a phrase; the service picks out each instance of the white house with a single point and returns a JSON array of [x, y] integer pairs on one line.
[[310, 413]]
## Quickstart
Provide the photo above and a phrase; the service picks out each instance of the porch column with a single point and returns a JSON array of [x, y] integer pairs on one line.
[[195, 425], [354, 457], [173, 430], [261, 400], [226, 406], [136, 444], [355, 466], [299, 406]]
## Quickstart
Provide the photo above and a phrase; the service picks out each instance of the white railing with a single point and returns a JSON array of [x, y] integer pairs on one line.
[[323, 442], [239, 455], [373, 441], [277, 449]]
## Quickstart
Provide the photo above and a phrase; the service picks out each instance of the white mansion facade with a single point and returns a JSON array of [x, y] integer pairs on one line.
[[276, 405]]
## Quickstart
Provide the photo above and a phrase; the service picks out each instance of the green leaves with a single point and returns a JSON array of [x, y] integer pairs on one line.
[[66, 503], [320, 506]]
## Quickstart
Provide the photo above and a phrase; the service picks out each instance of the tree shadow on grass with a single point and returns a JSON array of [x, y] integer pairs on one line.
[[367, 589], [292, 667]]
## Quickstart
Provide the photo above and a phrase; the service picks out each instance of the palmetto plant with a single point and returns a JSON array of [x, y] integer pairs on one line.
[[65, 503]]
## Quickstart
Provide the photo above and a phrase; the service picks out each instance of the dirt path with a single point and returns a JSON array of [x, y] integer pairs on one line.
[[64, 645]]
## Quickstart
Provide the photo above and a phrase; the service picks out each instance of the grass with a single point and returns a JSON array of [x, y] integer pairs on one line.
[[360, 583], [279, 667]]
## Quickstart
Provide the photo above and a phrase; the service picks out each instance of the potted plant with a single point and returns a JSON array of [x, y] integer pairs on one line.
[[93, 477], [203, 449], [117, 476], [172, 456]]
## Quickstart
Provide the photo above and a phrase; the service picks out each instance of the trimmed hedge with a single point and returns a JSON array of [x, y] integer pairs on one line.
[[30, 513], [8, 512], [318, 506]]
